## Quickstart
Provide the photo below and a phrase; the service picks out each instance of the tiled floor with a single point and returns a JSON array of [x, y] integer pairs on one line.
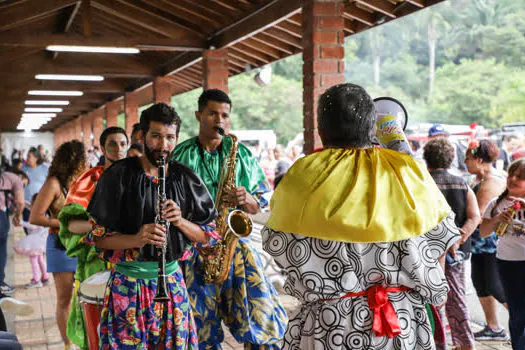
[[40, 332]]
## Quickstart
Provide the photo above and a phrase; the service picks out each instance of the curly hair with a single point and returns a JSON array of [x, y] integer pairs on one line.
[[69, 162], [486, 150], [439, 153]]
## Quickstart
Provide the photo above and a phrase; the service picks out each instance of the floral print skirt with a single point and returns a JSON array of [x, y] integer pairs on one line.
[[130, 318]]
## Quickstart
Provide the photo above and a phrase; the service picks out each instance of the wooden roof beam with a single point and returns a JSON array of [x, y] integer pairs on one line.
[[69, 22], [86, 18], [141, 18], [384, 7], [258, 49], [418, 3], [180, 62], [142, 43], [284, 37], [251, 52], [166, 11], [22, 12], [296, 19], [262, 47], [276, 44], [106, 86], [212, 9], [257, 21], [183, 81], [245, 58], [231, 7], [290, 28], [353, 12], [188, 10]]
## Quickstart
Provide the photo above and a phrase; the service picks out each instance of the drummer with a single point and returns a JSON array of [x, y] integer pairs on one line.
[[74, 226]]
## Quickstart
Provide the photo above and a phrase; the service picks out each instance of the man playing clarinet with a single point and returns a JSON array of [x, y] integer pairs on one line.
[[123, 211]]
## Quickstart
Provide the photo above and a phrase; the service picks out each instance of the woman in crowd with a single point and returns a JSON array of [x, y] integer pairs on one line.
[[489, 183], [511, 247], [438, 154], [68, 163]]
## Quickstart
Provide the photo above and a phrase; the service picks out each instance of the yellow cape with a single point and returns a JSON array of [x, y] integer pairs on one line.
[[357, 195]]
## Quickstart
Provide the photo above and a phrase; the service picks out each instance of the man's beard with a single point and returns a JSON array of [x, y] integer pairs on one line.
[[153, 155]]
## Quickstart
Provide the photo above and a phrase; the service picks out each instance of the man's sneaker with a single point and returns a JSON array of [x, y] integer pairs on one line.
[[34, 284], [6, 288], [488, 333], [18, 307]]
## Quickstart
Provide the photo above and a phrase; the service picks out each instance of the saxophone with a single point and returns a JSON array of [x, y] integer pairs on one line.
[[230, 225]]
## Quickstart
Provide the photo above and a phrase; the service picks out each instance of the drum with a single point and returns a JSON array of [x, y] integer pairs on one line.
[[91, 298]]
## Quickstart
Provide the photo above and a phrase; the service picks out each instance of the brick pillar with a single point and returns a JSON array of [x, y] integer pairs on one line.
[[162, 90], [77, 127], [131, 108], [86, 131], [112, 111], [215, 69], [70, 131], [97, 117], [58, 133], [323, 59]]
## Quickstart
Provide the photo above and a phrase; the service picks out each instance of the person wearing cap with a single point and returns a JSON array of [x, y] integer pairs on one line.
[[458, 166], [352, 227]]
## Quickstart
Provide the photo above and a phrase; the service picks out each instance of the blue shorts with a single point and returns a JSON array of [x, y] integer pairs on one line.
[[57, 260]]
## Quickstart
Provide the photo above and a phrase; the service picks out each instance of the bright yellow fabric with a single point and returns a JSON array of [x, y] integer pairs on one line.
[[357, 195]]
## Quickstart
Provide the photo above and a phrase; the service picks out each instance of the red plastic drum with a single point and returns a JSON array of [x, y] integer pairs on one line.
[[91, 297]]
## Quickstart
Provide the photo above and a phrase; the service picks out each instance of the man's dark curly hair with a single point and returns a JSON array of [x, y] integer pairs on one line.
[[69, 162], [439, 153], [159, 112]]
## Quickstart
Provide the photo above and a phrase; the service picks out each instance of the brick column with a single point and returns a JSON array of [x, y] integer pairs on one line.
[[131, 108], [70, 131], [162, 90], [323, 59], [77, 125], [86, 131], [97, 119], [215, 69], [58, 133], [112, 111]]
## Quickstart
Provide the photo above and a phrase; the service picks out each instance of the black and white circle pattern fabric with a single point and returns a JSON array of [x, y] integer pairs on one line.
[[319, 269]]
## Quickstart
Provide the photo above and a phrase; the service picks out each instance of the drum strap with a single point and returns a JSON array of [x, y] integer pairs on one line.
[[146, 270]]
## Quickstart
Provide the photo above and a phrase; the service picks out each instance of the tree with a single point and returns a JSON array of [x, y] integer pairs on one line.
[[465, 92]]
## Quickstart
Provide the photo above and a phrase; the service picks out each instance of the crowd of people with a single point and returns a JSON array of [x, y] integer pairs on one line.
[[373, 242]]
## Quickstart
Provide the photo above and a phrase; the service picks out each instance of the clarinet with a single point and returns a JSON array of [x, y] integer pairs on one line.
[[160, 252]]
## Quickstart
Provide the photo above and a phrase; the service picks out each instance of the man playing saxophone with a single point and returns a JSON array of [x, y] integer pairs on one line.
[[245, 301], [126, 230]]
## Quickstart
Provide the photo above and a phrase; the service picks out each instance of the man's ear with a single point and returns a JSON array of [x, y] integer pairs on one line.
[[198, 116]]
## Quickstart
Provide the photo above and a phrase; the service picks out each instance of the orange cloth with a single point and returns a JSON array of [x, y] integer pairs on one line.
[[84, 186]]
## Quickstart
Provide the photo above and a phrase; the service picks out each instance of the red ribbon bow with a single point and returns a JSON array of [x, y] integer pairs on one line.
[[385, 322]]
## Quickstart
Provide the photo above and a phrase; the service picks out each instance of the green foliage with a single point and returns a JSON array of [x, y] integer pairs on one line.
[[465, 92]]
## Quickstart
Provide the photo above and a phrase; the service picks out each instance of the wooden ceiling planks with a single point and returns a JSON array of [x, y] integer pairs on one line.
[[170, 34]]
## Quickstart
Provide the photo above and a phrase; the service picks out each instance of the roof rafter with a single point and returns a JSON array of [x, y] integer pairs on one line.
[[256, 22], [384, 7], [144, 43], [23, 12], [140, 17]]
